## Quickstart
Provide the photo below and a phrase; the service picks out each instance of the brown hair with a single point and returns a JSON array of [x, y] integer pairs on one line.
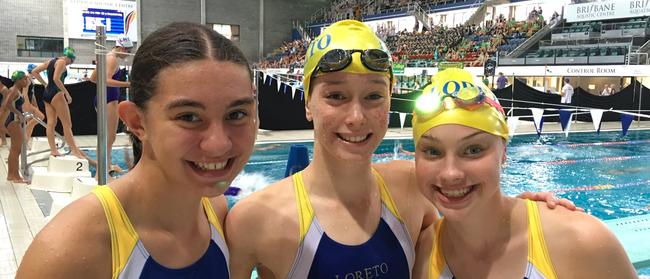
[[176, 43]]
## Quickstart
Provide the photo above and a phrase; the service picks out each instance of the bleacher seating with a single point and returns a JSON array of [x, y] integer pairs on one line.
[[593, 42], [365, 10], [290, 55], [472, 45]]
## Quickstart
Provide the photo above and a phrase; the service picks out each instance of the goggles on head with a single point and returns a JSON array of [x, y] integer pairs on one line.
[[430, 105], [338, 59], [456, 97]]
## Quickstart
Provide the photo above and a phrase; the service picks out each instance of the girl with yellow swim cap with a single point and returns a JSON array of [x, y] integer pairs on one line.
[[461, 135], [342, 216]]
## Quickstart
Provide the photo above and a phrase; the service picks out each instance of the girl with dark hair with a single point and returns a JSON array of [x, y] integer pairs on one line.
[[193, 112]]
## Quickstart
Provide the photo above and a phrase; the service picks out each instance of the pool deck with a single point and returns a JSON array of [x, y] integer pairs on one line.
[[21, 217]]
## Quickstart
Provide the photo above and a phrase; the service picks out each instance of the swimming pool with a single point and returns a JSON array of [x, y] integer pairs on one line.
[[607, 174]]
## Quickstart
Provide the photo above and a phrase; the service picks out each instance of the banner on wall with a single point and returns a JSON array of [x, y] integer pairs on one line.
[[577, 70], [398, 68], [119, 17], [608, 9]]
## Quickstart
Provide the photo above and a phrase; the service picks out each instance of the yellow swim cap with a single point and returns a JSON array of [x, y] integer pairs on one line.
[[345, 35], [456, 97]]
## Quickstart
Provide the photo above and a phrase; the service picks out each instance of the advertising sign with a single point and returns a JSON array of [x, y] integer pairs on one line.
[[607, 9], [398, 68], [119, 17]]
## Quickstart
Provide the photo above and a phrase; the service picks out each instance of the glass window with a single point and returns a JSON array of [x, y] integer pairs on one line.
[[38, 46], [229, 31]]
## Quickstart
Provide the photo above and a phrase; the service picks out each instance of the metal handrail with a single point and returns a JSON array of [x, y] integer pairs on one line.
[[519, 50], [421, 15], [23, 152], [638, 55], [29, 115], [644, 46], [479, 5]]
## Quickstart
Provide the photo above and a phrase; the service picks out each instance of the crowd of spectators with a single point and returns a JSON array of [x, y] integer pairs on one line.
[[469, 44], [358, 9], [341, 9], [385, 30], [289, 55], [433, 44]]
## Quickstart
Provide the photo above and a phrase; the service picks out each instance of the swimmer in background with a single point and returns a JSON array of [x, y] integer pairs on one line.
[[57, 99], [400, 149], [627, 170], [13, 101], [30, 105], [3, 131], [123, 46], [266, 147]]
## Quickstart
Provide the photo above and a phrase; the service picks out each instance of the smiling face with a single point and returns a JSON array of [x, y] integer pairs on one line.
[[200, 125], [350, 113], [458, 168]]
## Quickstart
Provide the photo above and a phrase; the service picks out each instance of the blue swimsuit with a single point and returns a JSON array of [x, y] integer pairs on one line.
[[112, 93], [389, 253], [131, 259], [18, 104], [51, 90]]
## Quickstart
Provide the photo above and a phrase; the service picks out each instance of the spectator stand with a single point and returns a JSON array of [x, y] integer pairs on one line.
[[600, 42]]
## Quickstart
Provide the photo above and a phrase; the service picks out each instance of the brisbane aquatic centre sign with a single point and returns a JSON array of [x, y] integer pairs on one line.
[[609, 9]]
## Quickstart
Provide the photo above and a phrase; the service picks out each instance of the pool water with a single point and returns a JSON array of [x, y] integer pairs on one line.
[[122, 156], [606, 173]]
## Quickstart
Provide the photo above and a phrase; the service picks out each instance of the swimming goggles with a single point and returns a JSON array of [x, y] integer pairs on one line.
[[430, 104], [338, 59]]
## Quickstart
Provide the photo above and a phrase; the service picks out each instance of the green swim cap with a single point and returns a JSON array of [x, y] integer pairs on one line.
[[69, 52], [17, 75]]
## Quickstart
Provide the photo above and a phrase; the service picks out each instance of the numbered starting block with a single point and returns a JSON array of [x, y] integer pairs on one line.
[[60, 174]]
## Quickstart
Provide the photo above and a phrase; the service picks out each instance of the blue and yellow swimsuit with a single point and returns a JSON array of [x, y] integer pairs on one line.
[[539, 262], [131, 259], [389, 253]]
